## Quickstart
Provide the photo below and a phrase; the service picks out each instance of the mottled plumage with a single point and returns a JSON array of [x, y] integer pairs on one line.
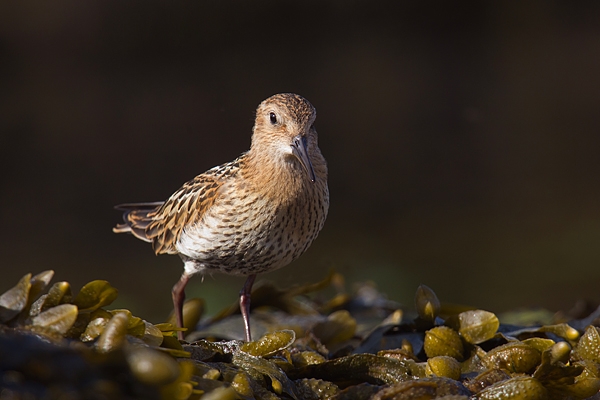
[[251, 215]]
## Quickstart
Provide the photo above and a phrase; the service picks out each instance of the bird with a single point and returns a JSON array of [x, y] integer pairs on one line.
[[248, 216]]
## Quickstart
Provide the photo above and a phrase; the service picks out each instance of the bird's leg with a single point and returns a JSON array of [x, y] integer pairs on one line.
[[245, 304], [178, 298]]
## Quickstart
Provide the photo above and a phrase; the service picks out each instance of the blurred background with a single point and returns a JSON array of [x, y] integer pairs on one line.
[[462, 139]]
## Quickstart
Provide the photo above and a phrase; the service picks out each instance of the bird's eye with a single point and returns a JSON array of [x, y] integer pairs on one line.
[[273, 118]]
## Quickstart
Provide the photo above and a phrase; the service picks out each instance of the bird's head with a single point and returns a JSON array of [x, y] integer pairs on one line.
[[284, 129]]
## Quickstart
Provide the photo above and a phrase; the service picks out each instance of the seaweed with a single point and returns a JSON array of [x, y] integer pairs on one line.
[[54, 344]]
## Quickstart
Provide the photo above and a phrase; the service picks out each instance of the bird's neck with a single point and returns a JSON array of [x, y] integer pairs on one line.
[[278, 175]]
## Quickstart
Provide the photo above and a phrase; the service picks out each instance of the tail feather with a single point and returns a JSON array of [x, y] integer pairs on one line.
[[137, 216]]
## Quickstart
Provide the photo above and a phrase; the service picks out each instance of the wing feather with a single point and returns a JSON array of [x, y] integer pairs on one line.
[[186, 206], [161, 223]]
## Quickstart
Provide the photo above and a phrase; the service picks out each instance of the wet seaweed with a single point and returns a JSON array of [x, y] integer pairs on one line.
[[54, 344]]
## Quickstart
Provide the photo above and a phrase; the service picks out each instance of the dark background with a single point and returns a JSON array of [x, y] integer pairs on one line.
[[462, 138]]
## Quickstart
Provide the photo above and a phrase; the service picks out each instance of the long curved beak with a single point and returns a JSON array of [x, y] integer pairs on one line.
[[300, 151]]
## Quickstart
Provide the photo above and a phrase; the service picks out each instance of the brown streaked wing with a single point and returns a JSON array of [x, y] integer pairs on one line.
[[185, 206]]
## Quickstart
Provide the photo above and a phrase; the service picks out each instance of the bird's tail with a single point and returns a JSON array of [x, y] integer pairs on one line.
[[137, 216]]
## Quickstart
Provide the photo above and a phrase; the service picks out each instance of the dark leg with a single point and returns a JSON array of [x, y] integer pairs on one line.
[[178, 298], [245, 304]]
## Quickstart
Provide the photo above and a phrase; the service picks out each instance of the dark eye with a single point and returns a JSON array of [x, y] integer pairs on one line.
[[273, 118]]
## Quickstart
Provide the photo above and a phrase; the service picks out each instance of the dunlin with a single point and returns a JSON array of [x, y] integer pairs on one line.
[[254, 214]]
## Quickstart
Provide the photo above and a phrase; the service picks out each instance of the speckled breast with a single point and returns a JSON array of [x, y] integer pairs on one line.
[[257, 235]]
